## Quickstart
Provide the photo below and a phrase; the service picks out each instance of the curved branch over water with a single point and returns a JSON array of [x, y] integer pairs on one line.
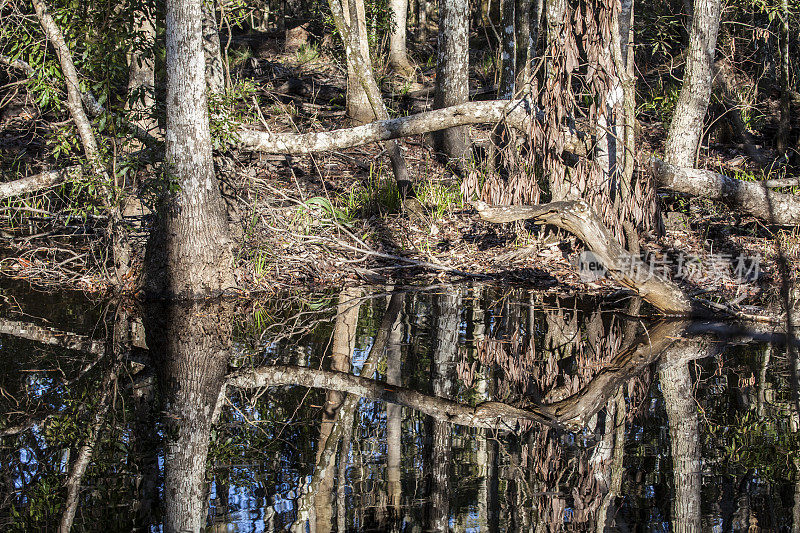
[[578, 218]]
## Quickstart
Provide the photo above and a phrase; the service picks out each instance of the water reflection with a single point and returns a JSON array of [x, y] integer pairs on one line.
[[456, 408]]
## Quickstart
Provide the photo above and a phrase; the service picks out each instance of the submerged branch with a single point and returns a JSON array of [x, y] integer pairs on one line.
[[578, 218]]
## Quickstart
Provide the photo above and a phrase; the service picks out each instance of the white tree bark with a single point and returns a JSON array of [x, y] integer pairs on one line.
[[514, 113], [751, 197], [398, 54], [452, 72], [189, 252], [686, 129]]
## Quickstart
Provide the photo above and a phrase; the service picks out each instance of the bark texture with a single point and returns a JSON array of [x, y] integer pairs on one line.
[[38, 182], [191, 346], [452, 70], [443, 376], [189, 253], [751, 197], [684, 433], [578, 218], [141, 71], [215, 72], [686, 129], [398, 54]]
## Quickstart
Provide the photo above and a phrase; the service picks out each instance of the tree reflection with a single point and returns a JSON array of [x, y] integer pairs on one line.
[[190, 345]]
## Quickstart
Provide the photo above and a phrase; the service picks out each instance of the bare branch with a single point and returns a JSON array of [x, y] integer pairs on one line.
[[515, 113], [578, 218], [751, 197], [486, 415]]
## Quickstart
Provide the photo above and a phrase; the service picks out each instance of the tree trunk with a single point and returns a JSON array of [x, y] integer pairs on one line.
[[398, 56], [686, 129], [784, 128], [141, 71], [192, 343], [508, 46], [354, 35], [684, 433], [446, 347], [525, 44], [215, 72], [452, 73], [120, 246], [394, 426], [189, 253], [344, 342]]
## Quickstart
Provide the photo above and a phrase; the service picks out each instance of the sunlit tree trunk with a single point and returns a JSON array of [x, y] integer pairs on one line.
[[192, 343], [141, 69], [398, 55], [190, 252], [452, 73], [215, 72], [350, 20], [447, 328], [686, 129]]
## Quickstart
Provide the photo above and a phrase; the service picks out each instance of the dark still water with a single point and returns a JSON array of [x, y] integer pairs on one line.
[[452, 408]]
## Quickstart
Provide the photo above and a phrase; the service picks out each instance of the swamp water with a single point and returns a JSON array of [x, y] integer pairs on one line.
[[462, 408]]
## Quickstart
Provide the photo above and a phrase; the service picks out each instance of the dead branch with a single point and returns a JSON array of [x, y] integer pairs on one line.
[[578, 218], [515, 113], [751, 197], [39, 182], [51, 336]]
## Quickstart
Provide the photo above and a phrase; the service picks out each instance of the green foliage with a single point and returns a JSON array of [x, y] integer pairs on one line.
[[227, 112], [660, 101], [442, 197]]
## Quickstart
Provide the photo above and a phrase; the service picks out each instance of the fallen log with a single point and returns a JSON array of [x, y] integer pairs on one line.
[[514, 113], [38, 182], [578, 218], [751, 197]]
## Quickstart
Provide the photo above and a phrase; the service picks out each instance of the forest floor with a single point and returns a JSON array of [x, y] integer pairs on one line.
[[335, 218]]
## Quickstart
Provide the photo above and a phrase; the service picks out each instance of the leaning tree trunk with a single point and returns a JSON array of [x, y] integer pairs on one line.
[[685, 131], [354, 34], [189, 253], [398, 55], [452, 73]]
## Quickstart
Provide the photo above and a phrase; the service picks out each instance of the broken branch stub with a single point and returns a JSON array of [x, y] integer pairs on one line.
[[578, 218]]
